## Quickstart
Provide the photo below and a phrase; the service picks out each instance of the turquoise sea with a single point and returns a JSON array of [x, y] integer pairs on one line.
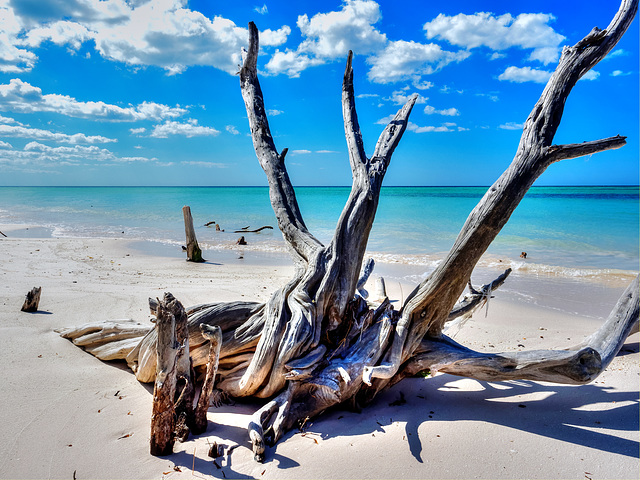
[[570, 231]]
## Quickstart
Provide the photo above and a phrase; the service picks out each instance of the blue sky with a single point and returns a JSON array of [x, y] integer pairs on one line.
[[117, 92]]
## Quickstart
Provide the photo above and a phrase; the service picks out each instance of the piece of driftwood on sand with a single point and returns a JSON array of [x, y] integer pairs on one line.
[[316, 343], [194, 254], [246, 229], [32, 300]]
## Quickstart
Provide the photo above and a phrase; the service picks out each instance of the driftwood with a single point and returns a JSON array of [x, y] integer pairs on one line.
[[214, 335], [163, 422], [317, 342], [246, 229], [209, 223], [32, 300], [194, 254], [241, 241], [3, 234]]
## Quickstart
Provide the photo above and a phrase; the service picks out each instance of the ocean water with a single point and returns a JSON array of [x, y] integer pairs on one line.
[[567, 231]]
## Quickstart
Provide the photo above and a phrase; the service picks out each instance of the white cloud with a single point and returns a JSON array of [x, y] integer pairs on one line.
[[526, 31], [398, 97], [190, 129], [412, 127], [137, 131], [618, 52], [512, 126], [39, 155], [61, 33], [197, 163], [19, 131], [591, 75], [525, 74], [421, 85], [367, 95], [491, 96], [273, 112], [13, 57], [450, 112], [333, 34], [232, 130], [300, 152], [328, 36], [9, 120], [402, 60], [162, 33], [263, 10], [20, 96], [5, 145], [620, 73], [290, 62]]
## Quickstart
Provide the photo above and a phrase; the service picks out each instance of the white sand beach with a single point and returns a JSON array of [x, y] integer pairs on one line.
[[66, 414]]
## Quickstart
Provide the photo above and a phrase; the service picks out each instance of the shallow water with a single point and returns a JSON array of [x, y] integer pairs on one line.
[[575, 232]]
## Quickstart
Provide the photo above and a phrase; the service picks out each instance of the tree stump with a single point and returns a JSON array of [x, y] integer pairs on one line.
[[167, 350], [32, 300], [194, 254]]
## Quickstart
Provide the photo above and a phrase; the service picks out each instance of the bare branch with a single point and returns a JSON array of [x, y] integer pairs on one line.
[[578, 365], [281, 192], [556, 153], [477, 298], [352, 132], [433, 299]]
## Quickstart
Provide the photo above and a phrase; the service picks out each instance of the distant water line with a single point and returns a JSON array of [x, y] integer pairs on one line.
[[564, 230]]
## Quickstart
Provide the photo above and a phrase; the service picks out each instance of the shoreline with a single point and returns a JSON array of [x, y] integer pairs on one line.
[[67, 412]]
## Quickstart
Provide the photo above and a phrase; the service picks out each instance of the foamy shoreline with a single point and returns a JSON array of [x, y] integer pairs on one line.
[[65, 412]]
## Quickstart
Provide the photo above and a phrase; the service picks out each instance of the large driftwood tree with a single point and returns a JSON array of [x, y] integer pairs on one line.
[[317, 343]]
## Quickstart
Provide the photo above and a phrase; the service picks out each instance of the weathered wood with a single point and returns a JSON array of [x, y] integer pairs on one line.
[[185, 388], [427, 307], [3, 234], [32, 300], [578, 365], [194, 254], [315, 343], [168, 350], [214, 335], [476, 298], [246, 230]]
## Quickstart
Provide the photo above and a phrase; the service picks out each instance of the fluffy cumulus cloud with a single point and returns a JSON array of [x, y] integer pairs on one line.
[[449, 112], [189, 130], [525, 74], [162, 33], [402, 60], [19, 96], [14, 57], [331, 35], [526, 31]]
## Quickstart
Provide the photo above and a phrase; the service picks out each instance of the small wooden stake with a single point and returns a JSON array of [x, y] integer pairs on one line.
[[194, 254], [32, 300], [214, 335]]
